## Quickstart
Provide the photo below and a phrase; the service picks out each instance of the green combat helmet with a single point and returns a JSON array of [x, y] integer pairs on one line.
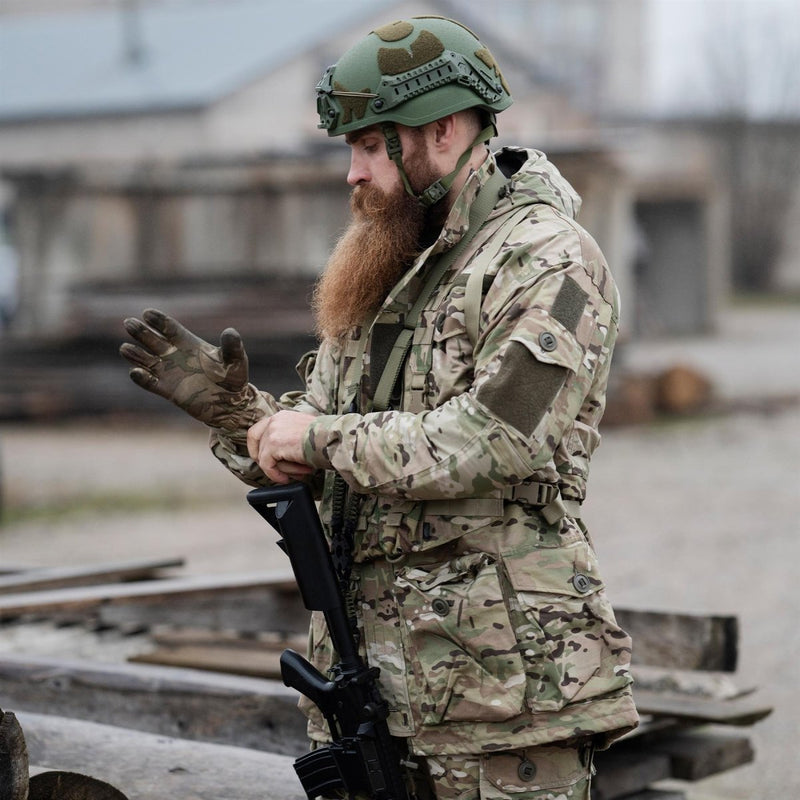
[[412, 72]]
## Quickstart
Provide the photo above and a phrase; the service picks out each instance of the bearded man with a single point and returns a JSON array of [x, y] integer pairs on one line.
[[448, 418]]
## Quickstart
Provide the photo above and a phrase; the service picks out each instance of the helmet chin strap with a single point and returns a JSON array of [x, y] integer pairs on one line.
[[438, 189]]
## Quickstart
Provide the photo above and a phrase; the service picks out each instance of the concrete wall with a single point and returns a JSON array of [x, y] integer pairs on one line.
[[248, 186]]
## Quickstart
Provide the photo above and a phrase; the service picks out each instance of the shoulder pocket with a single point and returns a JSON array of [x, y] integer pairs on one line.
[[548, 340]]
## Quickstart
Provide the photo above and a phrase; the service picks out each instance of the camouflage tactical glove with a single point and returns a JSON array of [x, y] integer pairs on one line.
[[209, 383]]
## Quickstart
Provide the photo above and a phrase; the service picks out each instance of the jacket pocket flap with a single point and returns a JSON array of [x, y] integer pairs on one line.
[[570, 570]]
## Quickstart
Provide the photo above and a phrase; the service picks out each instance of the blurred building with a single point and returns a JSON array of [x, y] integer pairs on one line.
[[168, 152]]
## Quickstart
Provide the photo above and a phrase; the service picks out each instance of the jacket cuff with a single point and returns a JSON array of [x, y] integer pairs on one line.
[[323, 438]]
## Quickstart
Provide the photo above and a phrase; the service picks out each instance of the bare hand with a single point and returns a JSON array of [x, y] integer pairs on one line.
[[275, 443]]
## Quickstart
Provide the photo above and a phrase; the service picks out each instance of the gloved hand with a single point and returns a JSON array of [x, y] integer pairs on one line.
[[209, 383]]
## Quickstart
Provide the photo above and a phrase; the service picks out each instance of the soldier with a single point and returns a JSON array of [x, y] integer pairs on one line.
[[448, 418]]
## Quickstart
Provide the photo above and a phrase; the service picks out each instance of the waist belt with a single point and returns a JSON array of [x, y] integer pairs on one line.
[[547, 498], [544, 496]]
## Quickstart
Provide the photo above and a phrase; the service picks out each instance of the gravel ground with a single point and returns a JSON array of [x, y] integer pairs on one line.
[[698, 516]]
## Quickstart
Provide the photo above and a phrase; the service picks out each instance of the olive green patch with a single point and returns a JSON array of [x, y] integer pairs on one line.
[[523, 389], [382, 339], [394, 31], [352, 107], [569, 304], [484, 55], [396, 60]]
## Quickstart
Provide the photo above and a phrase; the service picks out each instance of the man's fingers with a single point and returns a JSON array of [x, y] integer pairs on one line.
[[150, 339], [231, 346], [171, 329], [159, 320], [293, 469], [254, 435], [141, 377], [276, 476], [137, 356]]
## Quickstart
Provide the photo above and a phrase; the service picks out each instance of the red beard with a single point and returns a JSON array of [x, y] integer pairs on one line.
[[381, 242]]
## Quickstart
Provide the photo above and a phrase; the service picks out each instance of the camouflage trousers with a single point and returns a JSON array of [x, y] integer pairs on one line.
[[531, 773]]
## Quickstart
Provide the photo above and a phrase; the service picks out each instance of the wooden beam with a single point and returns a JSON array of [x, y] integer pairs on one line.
[[682, 641], [696, 755], [191, 704], [60, 577], [60, 785], [236, 661], [696, 683], [247, 602], [13, 759], [700, 710], [221, 652], [620, 773], [630, 766], [145, 766]]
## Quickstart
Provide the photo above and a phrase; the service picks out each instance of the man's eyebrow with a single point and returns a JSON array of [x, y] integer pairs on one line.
[[353, 136]]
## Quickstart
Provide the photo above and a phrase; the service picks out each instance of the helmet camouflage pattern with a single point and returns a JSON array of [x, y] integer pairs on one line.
[[410, 72]]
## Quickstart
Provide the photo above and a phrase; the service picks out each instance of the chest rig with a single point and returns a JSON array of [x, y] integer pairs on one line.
[[405, 346]]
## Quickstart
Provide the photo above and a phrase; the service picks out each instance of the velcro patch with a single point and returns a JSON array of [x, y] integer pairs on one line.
[[523, 389], [383, 337], [569, 304]]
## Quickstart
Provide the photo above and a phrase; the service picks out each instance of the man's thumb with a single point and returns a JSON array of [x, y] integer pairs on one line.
[[232, 347]]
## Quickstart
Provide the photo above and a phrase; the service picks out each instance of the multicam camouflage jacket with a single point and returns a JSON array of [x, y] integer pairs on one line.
[[479, 592]]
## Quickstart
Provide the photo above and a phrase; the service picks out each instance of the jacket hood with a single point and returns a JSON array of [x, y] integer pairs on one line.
[[535, 179]]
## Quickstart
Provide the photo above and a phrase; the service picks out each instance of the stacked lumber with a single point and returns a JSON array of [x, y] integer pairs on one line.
[[199, 711]]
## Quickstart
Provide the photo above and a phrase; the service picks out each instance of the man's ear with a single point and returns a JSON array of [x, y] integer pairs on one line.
[[444, 132]]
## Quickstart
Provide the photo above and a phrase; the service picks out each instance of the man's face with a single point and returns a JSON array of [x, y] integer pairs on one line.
[[385, 233], [369, 162], [370, 165]]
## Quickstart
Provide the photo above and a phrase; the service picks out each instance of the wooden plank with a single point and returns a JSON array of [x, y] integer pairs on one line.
[[145, 766], [61, 785], [718, 685], [246, 602], [682, 641], [221, 652], [622, 771], [699, 710], [695, 755], [630, 766], [236, 661], [13, 759], [266, 640], [59, 577], [191, 704]]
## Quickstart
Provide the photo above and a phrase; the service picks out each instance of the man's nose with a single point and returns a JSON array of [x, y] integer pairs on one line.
[[358, 171]]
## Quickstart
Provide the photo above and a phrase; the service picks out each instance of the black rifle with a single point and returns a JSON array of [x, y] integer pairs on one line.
[[363, 756]]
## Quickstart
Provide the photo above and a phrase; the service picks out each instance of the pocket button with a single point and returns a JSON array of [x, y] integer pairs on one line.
[[440, 606], [526, 770], [581, 583], [547, 341]]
